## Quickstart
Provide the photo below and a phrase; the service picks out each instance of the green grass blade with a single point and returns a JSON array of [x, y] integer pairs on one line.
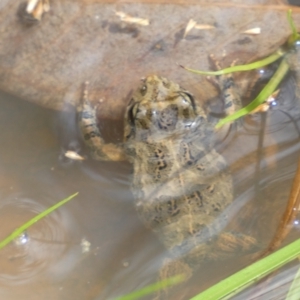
[[43, 214], [270, 87], [239, 281], [294, 290], [292, 24], [255, 65], [150, 289], [295, 36]]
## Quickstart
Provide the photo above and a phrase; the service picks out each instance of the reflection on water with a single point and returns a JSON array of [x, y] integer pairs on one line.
[[42, 247], [22, 239], [95, 247]]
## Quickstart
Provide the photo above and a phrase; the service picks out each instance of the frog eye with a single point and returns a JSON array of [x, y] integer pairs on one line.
[[131, 111], [188, 98], [135, 110], [143, 90]]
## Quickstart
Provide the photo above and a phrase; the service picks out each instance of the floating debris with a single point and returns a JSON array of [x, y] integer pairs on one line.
[[127, 18], [126, 264], [193, 24], [270, 102], [204, 26], [85, 245], [32, 11], [22, 239], [253, 31], [73, 155], [190, 25]]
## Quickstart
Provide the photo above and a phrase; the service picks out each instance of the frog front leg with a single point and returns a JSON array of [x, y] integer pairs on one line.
[[87, 119], [225, 83]]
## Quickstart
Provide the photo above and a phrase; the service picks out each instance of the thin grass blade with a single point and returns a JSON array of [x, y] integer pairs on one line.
[[270, 87], [25, 226], [234, 284], [255, 65], [292, 24], [150, 289], [294, 290]]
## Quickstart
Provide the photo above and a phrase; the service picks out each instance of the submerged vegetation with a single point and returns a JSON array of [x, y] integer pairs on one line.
[[282, 53]]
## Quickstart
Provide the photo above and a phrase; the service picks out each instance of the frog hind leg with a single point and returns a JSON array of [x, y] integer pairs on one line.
[[228, 243], [87, 120], [221, 248], [171, 269]]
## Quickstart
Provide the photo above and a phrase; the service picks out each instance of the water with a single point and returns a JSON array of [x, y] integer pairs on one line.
[[95, 247], [54, 263]]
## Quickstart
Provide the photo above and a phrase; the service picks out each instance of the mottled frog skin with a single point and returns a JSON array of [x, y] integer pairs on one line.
[[180, 183]]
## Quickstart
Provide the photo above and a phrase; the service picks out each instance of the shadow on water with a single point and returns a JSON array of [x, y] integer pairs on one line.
[[54, 259]]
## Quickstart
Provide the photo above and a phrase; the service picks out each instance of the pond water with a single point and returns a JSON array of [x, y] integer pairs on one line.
[[95, 247]]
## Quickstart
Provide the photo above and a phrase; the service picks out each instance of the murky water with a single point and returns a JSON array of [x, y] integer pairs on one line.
[[51, 263], [95, 247]]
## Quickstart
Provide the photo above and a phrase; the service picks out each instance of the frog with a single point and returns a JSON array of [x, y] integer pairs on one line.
[[180, 184]]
